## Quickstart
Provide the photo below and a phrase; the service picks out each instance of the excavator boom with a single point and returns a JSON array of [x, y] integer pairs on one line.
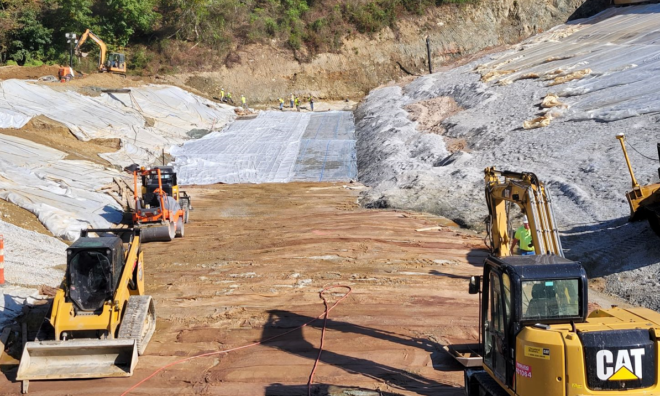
[[531, 195], [116, 65]]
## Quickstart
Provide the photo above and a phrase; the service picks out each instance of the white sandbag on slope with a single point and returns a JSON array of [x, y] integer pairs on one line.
[[147, 120], [62, 193]]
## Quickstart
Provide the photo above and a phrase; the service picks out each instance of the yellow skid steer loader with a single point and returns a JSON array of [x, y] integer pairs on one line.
[[100, 320]]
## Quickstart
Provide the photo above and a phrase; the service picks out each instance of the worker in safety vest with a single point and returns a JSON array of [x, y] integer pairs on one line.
[[296, 101], [281, 104], [229, 99], [243, 101], [523, 239], [293, 98], [222, 94]]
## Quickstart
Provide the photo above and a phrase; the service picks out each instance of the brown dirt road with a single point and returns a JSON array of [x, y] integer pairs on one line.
[[251, 266]]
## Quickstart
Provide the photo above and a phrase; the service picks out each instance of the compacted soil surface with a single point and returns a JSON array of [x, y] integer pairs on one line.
[[250, 267]]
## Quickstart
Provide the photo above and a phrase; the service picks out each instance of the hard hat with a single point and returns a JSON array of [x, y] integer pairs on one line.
[[525, 221]]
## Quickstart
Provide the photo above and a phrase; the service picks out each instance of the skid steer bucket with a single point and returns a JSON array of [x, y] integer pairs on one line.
[[44, 360]]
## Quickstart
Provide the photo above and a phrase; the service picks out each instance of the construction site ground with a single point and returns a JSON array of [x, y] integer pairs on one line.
[[250, 267]]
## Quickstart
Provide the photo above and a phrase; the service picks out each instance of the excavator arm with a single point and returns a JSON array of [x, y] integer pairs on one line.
[[98, 41], [526, 191]]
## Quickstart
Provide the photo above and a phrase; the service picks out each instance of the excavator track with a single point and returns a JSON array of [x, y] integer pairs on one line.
[[139, 322]]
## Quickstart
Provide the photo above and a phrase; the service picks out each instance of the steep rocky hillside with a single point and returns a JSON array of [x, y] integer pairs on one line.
[[265, 72]]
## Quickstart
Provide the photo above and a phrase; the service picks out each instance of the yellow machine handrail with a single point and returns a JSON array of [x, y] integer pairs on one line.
[[621, 137]]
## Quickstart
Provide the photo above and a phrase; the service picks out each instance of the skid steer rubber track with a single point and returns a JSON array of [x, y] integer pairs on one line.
[[139, 322]]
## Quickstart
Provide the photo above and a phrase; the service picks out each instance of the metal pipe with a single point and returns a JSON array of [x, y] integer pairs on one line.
[[621, 138]]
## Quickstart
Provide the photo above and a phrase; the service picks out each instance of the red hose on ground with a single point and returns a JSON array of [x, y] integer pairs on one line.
[[318, 358]]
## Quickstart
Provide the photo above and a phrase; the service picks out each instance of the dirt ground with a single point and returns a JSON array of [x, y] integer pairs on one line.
[[51, 133], [14, 214], [251, 265]]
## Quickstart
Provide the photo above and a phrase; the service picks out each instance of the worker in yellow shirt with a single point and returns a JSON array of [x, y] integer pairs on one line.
[[281, 104], [222, 94], [523, 239], [243, 101]]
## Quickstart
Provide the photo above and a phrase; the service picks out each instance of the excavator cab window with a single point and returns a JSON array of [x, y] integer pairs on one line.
[[115, 60], [550, 299], [90, 277]]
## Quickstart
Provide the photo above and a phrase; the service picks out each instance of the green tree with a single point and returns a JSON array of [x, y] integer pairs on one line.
[[30, 41]]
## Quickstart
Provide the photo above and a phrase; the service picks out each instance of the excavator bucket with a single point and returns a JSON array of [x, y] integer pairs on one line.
[[46, 360], [157, 233]]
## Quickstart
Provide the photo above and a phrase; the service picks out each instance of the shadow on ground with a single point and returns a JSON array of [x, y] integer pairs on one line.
[[281, 321], [612, 246]]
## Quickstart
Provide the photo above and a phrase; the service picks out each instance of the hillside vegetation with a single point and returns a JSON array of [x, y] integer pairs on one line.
[[164, 36]]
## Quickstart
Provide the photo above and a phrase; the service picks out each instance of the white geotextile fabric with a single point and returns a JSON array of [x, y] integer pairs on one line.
[[621, 48], [30, 259], [260, 150], [62, 193], [275, 147], [172, 111], [12, 300]]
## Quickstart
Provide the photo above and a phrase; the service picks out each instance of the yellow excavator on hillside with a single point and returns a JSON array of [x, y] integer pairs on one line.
[[101, 319], [644, 201], [115, 62], [536, 335]]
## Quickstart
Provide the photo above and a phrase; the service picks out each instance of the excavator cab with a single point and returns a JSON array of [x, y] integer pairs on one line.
[[521, 291], [116, 63]]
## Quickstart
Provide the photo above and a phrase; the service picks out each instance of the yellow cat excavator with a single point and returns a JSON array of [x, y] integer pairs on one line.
[[115, 62], [101, 319], [644, 201], [536, 335]]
